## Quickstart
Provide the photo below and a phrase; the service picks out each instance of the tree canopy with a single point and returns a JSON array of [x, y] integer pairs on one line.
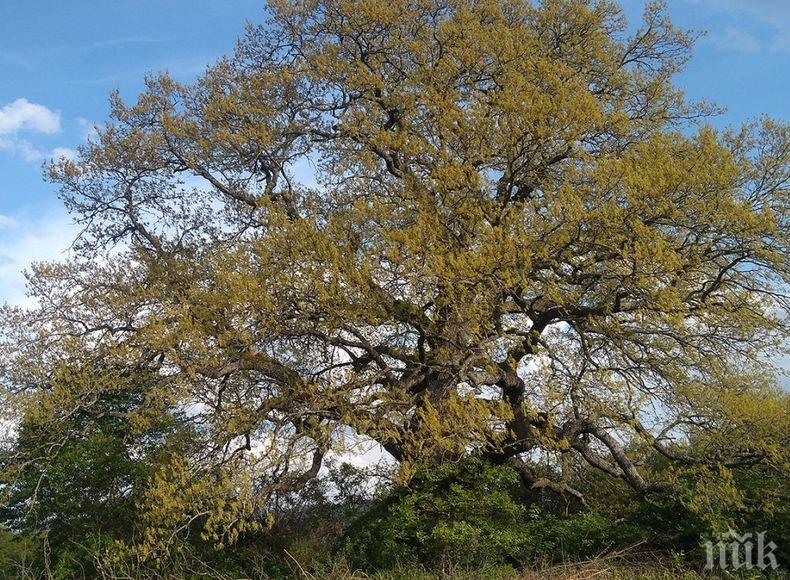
[[451, 227]]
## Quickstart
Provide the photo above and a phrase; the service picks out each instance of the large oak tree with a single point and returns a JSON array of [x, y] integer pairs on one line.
[[447, 226]]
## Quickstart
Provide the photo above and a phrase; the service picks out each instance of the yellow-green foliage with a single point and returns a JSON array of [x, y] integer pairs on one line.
[[446, 226]]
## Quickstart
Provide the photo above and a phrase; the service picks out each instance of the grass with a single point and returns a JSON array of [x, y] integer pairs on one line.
[[630, 564]]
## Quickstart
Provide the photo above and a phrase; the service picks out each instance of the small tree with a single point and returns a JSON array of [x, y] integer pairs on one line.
[[80, 462], [448, 226]]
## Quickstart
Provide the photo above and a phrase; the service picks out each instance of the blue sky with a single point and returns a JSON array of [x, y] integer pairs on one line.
[[59, 61]]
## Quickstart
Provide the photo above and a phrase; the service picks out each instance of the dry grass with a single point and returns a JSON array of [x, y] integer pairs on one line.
[[630, 564]]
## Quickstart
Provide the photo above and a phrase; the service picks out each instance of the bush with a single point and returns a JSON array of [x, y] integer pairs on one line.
[[471, 514]]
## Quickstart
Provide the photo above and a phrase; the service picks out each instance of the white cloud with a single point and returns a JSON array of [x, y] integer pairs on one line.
[[24, 149], [44, 238], [64, 153], [7, 222], [736, 40], [30, 153], [22, 114]]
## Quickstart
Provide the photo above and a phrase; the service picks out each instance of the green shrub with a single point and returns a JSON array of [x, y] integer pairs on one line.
[[469, 512], [472, 513]]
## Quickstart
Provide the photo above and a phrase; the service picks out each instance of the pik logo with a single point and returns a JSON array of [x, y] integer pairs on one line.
[[746, 551]]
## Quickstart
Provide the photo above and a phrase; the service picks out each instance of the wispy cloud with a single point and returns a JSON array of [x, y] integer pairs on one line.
[[772, 14], [32, 154], [735, 40], [7, 222], [34, 58], [178, 68], [29, 240], [21, 148], [113, 42], [88, 129]]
